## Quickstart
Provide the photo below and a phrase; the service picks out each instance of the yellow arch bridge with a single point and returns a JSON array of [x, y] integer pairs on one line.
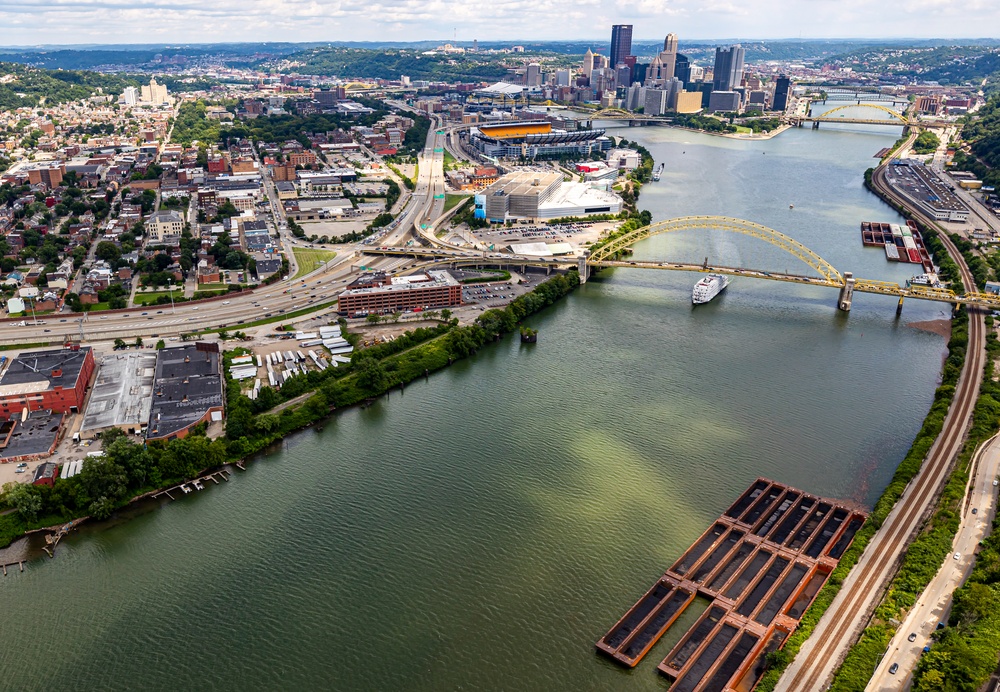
[[839, 115], [823, 273]]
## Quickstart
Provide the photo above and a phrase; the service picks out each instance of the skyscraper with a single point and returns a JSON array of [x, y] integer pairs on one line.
[[728, 68], [669, 55], [588, 63], [682, 68], [781, 88], [621, 44], [533, 75]]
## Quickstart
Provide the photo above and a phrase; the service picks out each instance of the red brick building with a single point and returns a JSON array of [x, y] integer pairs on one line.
[[47, 380], [379, 294]]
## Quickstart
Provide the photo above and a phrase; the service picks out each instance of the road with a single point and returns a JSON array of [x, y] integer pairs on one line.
[[861, 591], [935, 603]]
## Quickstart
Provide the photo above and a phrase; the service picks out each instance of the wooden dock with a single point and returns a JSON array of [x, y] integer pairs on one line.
[[196, 483]]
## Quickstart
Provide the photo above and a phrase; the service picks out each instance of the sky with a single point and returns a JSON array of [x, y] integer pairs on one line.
[[29, 22]]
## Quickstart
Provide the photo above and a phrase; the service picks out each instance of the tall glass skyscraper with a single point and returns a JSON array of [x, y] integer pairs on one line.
[[781, 88], [621, 44], [728, 68]]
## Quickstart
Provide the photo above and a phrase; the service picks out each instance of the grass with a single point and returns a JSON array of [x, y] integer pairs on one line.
[[451, 201], [220, 286], [269, 320], [743, 130], [147, 298], [309, 260]]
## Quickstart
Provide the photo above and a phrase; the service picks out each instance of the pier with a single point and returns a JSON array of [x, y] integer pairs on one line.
[[760, 565], [194, 485]]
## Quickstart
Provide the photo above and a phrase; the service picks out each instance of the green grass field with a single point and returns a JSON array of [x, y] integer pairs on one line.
[[310, 260], [451, 201], [147, 298]]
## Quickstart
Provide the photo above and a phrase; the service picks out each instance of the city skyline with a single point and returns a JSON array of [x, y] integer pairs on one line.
[[155, 21]]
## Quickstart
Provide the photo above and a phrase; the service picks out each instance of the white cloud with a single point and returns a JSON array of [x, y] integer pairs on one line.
[[31, 22]]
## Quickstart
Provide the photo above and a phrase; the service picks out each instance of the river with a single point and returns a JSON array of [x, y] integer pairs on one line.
[[481, 530]]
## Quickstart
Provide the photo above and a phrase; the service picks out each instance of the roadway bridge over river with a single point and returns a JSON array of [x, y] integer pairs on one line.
[[613, 253]]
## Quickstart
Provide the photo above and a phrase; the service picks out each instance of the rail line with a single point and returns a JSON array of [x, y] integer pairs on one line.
[[863, 587]]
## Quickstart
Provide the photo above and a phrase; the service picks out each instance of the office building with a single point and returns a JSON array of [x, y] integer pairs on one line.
[[781, 89], [728, 73], [682, 68], [562, 78], [533, 75], [378, 294], [621, 44], [654, 101], [669, 56], [724, 102]]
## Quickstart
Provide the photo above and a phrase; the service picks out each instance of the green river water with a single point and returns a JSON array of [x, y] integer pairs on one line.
[[483, 529]]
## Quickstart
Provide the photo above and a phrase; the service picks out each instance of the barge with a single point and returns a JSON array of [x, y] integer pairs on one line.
[[901, 242], [759, 566]]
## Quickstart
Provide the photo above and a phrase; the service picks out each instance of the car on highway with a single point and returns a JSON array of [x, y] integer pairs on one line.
[[912, 637], [975, 510], [225, 302], [958, 556], [893, 668]]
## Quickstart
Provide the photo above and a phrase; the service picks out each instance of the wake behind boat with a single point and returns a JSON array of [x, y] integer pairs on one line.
[[709, 287], [658, 172]]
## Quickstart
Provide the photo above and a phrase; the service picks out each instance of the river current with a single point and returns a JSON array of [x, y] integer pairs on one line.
[[483, 529]]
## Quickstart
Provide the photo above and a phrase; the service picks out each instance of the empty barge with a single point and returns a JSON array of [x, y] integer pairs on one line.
[[760, 564]]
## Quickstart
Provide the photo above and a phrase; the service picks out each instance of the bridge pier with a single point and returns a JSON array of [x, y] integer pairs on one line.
[[815, 124], [846, 293], [582, 268], [899, 307]]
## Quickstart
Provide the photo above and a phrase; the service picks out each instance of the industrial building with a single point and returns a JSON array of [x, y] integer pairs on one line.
[[535, 195], [46, 380], [377, 293], [187, 390], [933, 195], [535, 140], [123, 394]]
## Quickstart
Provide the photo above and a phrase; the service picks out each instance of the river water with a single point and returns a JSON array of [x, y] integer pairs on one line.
[[483, 529]]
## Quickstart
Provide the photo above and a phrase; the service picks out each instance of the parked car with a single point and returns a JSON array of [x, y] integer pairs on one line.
[[893, 668], [912, 637]]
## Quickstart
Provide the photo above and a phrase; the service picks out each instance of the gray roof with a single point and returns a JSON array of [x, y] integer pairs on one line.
[[188, 382]]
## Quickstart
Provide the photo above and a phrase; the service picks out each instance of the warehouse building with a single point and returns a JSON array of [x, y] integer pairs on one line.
[[46, 380], [187, 390]]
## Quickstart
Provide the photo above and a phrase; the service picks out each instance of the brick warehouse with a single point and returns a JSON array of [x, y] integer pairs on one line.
[[46, 380]]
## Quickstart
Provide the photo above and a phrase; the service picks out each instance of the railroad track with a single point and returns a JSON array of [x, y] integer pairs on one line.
[[864, 586]]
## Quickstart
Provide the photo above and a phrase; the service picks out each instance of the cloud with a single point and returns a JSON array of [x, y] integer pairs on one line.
[[188, 21]]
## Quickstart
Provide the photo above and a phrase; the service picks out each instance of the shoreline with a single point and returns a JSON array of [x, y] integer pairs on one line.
[[352, 397]]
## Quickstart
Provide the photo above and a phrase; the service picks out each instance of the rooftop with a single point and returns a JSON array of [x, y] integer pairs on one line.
[[186, 384], [34, 436], [38, 371], [123, 391]]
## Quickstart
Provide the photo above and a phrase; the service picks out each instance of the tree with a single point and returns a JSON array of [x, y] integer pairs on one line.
[[120, 344], [446, 314], [138, 342], [373, 318], [26, 500], [372, 375]]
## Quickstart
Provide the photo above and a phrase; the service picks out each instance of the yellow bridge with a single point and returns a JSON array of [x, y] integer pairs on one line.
[[840, 115], [608, 255]]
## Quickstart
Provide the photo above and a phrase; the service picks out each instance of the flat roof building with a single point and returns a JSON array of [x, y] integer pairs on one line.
[[535, 140], [377, 293], [187, 390], [123, 394], [46, 380], [542, 195]]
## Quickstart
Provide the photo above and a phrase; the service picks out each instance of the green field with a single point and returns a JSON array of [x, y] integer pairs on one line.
[[451, 201], [147, 298], [310, 260]]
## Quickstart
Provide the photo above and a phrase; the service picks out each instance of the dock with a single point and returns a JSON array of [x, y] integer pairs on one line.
[[194, 484], [760, 565]]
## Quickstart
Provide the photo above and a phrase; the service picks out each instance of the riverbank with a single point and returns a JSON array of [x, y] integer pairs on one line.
[[135, 472], [763, 136]]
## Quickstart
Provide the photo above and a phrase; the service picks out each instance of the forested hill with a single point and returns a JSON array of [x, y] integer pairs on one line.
[[28, 86], [390, 64]]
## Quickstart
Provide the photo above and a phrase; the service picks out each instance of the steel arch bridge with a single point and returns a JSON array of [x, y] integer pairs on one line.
[[608, 253], [895, 114]]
